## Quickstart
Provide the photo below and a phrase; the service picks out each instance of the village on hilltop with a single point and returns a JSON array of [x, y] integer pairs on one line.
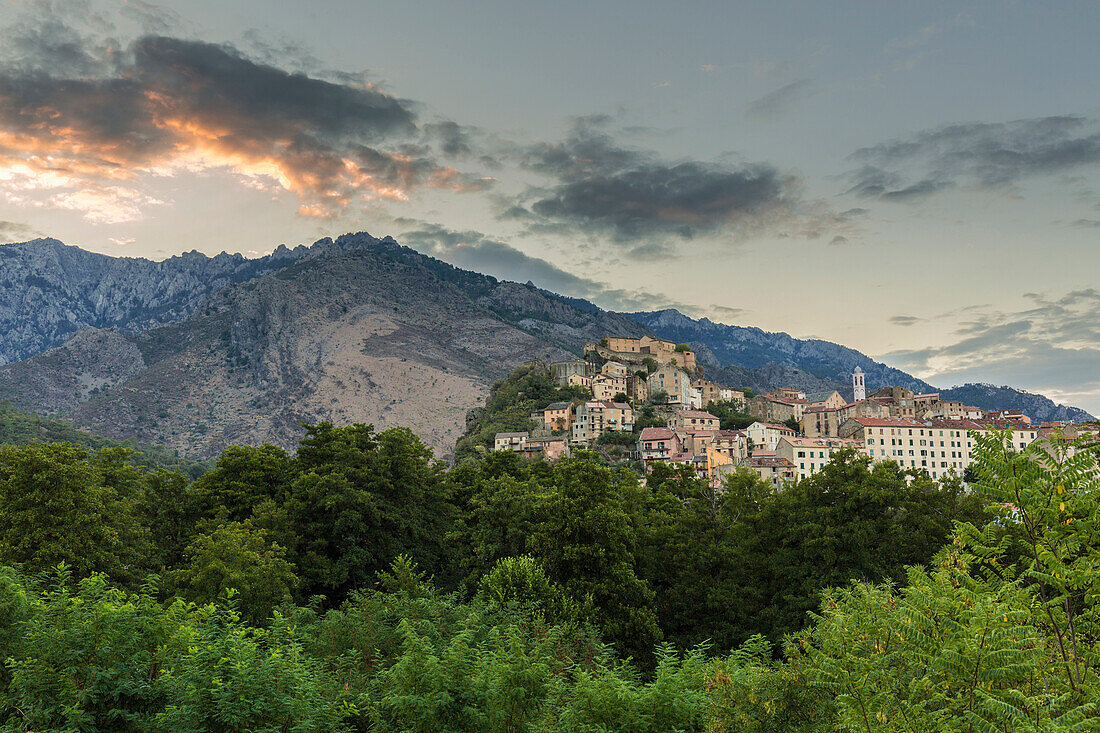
[[790, 434]]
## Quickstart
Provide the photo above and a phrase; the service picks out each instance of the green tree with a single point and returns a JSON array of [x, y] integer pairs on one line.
[[243, 478], [240, 557], [61, 504], [585, 537], [357, 501]]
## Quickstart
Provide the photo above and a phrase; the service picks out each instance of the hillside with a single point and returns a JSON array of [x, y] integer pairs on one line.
[[1035, 406], [750, 357], [49, 290], [21, 428], [753, 348], [356, 330]]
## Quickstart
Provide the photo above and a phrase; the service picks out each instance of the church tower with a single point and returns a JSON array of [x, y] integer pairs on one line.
[[859, 389]]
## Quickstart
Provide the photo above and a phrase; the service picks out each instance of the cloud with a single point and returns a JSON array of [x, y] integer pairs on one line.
[[838, 240], [473, 250], [14, 231], [1087, 223], [626, 194], [774, 105], [1052, 346], [91, 117], [989, 156], [905, 320]]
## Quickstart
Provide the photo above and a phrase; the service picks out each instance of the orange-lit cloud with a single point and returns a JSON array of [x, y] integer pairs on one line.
[[177, 106]]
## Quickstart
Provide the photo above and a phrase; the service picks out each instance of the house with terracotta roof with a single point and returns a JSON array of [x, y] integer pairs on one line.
[[776, 470], [819, 420], [940, 447], [765, 436], [778, 405], [658, 444], [734, 443], [695, 420]]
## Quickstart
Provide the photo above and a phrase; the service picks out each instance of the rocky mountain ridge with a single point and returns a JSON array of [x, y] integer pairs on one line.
[[50, 290], [195, 353], [356, 329]]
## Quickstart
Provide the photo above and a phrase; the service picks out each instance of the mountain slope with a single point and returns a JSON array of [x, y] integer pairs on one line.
[[753, 348], [358, 329], [49, 291], [1035, 406], [750, 357]]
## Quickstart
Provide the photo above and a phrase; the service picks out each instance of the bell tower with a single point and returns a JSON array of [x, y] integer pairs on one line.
[[859, 389]]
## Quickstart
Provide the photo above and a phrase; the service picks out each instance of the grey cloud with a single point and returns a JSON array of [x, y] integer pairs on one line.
[[1053, 346], [773, 105], [993, 156], [12, 231], [93, 114], [902, 320], [629, 194], [839, 240], [1087, 223], [475, 251]]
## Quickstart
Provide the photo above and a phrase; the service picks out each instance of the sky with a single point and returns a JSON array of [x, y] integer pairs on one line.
[[920, 181]]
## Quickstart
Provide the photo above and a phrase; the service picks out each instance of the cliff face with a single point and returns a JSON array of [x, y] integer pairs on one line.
[[49, 291]]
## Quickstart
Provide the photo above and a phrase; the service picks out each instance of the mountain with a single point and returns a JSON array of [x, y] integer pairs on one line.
[[356, 329], [750, 357], [195, 353], [1035, 406], [754, 348], [49, 291]]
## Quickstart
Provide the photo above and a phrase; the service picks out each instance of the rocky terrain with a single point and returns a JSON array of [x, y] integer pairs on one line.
[[356, 329], [195, 352], [1035, 406], [49, 291], [752, 348]]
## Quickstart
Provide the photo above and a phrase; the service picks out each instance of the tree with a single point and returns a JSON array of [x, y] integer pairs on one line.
[[243, 478], [357, 501], [681, 348], [585, 536], [240, 557], [61, 504], [1049, 491]]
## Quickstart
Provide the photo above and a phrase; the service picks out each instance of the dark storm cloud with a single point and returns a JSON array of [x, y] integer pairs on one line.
[[73, 110], [987, 155], [475, 251], [627, 194]]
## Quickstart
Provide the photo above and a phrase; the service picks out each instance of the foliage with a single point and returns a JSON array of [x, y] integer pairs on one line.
[[61, 504], [730, 415], [507, 595], [681, 348], [240, 557], [21, 428], [509, 406]]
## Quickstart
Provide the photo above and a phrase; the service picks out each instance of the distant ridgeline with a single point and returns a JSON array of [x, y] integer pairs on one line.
[[196, 353]]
